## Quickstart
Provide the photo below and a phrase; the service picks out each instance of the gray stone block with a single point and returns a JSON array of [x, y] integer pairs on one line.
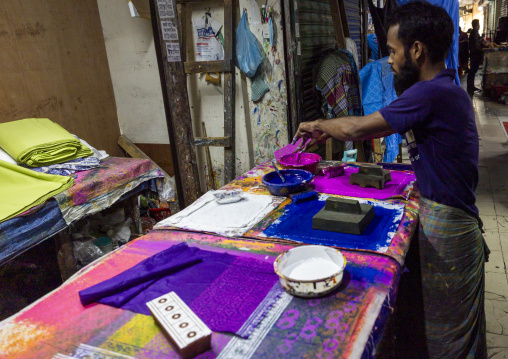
[[344, 216], [371, 176]]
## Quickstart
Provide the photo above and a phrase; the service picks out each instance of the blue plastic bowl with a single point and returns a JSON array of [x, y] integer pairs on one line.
[[296, 181]]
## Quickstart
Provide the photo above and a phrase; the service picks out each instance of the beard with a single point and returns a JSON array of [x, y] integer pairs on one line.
[[407, 77]]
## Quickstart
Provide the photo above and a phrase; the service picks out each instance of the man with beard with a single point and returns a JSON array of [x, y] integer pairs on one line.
[[438, 119]]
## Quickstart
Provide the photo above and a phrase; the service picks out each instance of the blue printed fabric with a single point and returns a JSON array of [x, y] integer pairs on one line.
[[26, 230], [296, 225], [69, 167], [377, 92], [373, 46]]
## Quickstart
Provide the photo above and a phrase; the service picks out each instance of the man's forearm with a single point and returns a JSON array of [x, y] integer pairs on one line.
[[352, 128], [339, 128]]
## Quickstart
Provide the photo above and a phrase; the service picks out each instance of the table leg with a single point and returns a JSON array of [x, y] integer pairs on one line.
[[65, 256]]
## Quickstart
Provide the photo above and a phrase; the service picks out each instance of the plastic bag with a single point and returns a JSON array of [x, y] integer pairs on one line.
[[86, 252], [248, 50]]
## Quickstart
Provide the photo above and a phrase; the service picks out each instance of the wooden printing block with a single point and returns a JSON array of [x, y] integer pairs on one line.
[[371, 176], [181, 325], [344, 216]]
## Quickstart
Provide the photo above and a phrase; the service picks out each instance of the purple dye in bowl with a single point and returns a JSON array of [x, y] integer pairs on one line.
[[303, 161]]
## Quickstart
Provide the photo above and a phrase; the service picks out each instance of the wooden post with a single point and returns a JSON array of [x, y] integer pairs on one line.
[[329, 149], [211, 177], [176, 100], [365, 47], [339, 22], [289, 53], [229, 90]]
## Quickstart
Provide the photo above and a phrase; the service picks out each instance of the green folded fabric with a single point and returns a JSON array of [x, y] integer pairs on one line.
[[38, 142], [21, 188]]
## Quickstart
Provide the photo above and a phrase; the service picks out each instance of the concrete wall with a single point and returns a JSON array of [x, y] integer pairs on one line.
[[260, 128], [134, 72]]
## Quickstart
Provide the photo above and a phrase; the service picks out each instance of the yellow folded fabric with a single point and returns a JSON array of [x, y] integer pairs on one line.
[[21, 188], [38, 142]]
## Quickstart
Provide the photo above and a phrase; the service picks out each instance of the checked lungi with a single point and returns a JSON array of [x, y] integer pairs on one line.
[[452, 261]]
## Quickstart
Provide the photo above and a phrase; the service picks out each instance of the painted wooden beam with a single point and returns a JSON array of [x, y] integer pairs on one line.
[[176, 100]]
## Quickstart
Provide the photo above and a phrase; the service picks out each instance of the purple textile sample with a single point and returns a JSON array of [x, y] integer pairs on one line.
[[229, 293]]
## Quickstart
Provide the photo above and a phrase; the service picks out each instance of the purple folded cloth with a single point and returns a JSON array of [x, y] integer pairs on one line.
[[229, 293]]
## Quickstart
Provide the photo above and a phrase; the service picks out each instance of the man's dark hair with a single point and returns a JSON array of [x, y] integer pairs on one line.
[[429, 24], [475, 23]]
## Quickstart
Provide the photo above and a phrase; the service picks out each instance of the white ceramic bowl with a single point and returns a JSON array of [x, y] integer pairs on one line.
[[310, 271]]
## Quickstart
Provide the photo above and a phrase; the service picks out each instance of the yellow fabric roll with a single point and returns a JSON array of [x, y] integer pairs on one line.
[[21, 188], [38, 142]]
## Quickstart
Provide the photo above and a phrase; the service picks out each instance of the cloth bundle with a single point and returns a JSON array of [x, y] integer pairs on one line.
[[229, 293], [37, 142], [21, 188]]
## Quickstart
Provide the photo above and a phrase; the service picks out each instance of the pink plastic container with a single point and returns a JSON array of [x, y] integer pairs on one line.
[[303, 161]]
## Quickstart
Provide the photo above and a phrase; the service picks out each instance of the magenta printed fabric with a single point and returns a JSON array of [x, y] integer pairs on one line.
[[228, 293], [340, 185], [113, 172]]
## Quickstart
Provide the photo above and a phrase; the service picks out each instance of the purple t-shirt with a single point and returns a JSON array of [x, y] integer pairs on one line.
[[438, 119]]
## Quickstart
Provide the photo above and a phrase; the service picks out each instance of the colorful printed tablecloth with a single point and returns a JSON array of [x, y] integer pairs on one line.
[[97, 189], [251, 182], [296, 224], [346, 323]]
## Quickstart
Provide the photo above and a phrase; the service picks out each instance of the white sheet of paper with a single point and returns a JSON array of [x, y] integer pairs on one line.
[[173, 51], [231, 219], [166, 9]]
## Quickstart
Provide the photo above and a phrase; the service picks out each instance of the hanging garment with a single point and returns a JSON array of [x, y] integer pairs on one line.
[[336, 79], [351, 47], [379, 19], [377, 92], [373, 46]]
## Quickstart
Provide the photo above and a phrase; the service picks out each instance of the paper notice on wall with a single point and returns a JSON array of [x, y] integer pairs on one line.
[[166, 9], [173, 52], [169, 31], [208, 47]]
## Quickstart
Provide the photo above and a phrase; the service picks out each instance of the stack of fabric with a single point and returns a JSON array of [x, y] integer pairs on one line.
[[35, 154], [38, 142], [46, 147]]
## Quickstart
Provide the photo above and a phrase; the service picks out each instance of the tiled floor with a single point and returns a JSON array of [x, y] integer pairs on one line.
[[492, 201]]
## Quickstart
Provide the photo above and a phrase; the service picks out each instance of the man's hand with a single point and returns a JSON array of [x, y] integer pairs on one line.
[[309, 130]]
